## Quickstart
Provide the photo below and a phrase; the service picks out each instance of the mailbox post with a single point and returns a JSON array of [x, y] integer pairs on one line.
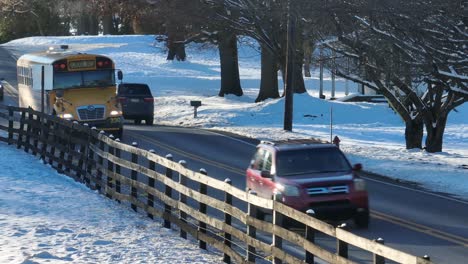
[[195, 105]]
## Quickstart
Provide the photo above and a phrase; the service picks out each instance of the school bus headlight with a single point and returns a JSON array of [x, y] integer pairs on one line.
[[66, 116], [115, 113]]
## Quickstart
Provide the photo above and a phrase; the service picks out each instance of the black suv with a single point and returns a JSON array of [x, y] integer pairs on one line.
[[137, 102], [310, 175]]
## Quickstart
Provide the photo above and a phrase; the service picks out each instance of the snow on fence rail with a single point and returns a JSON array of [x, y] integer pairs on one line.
[[206, 208]]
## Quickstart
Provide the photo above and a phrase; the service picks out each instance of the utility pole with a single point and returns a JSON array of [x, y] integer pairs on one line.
[[289, 91]]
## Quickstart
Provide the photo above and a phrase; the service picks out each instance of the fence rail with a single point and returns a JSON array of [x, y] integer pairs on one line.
[[161, 187]]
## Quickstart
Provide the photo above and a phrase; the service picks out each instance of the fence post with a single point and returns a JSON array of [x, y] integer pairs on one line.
[[62, 147], [376, 258], [151, 183], [310, 236], [36, 134], [277, 221], [134, 176], [45, 139], [183, 199], [70, 149], [101, 164], [90, 157], [251, 230], [28, 130], [168, 193], [228, 221], [341, 246], [202, 209], [10, 125], [110, 170], [117, 170], [54, 142], [82, 172], [20, 131]]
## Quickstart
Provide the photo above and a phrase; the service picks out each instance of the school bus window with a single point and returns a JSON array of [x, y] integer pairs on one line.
[[65, 80], [99, 78]]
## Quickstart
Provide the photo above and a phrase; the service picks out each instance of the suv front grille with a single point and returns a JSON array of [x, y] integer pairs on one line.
[[91, 112], [315, 191]]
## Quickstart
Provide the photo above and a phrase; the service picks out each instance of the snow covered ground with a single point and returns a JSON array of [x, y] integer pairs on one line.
[[46, 217], [371, 134]]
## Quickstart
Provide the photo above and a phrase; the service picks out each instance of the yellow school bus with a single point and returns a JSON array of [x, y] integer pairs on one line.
[[74, 86]]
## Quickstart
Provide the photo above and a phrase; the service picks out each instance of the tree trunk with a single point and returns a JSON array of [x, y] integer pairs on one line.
[[136, 25], [269, 75], [230, 79], [414, 131], [299, 86], [435, 133], [93, 25], [107, 24], [308, 48]]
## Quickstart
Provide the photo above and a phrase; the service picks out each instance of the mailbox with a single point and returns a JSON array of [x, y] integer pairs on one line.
[[195, 103]]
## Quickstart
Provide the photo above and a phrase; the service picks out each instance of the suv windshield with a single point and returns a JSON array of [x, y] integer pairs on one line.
[[315, 160]]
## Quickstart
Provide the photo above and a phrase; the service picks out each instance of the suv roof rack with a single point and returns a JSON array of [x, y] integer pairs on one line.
[[304, 141]]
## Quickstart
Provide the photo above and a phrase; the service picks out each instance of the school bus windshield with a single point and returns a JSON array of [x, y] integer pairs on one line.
[[83, 79]]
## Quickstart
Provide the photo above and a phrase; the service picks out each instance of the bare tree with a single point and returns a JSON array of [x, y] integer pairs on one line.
[[415, 59]]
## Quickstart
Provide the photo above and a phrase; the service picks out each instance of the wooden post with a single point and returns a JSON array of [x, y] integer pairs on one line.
[[20, 132], [277, 221], [28, 130], [228, 221], [70, 149], [82, 171], [310, 236], [321, 96], [90, 157], [183, 199], [101, 164], [10, 125], [134, 176], [110, 168], [168, 193], [333, 74], [151, 183], [61, 141], [44, 139], [117, 170], [202, 209], [341, 246], [54, 140], [251, 230], [37, 131], [376, 258]]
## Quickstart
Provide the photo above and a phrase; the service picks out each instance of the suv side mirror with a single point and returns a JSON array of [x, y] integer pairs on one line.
[[265, 174], [357, 167]]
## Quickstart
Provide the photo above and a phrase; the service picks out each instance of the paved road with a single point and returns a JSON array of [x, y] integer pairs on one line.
[[412, 220]]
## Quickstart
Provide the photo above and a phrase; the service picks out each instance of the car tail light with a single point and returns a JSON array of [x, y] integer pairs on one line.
[[122, 99], [148, 99]]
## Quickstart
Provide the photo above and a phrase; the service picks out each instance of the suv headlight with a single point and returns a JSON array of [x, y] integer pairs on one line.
[[359, 185], [66, 116], [287, 190], [115, 113]]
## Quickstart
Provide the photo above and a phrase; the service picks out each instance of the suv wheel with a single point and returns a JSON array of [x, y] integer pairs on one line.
[[362, 219], [149, 121]]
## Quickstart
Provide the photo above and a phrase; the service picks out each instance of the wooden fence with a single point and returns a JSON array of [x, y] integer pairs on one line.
[[206, 208]]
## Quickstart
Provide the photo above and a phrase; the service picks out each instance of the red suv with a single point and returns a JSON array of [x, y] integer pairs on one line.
[[310, 175]]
